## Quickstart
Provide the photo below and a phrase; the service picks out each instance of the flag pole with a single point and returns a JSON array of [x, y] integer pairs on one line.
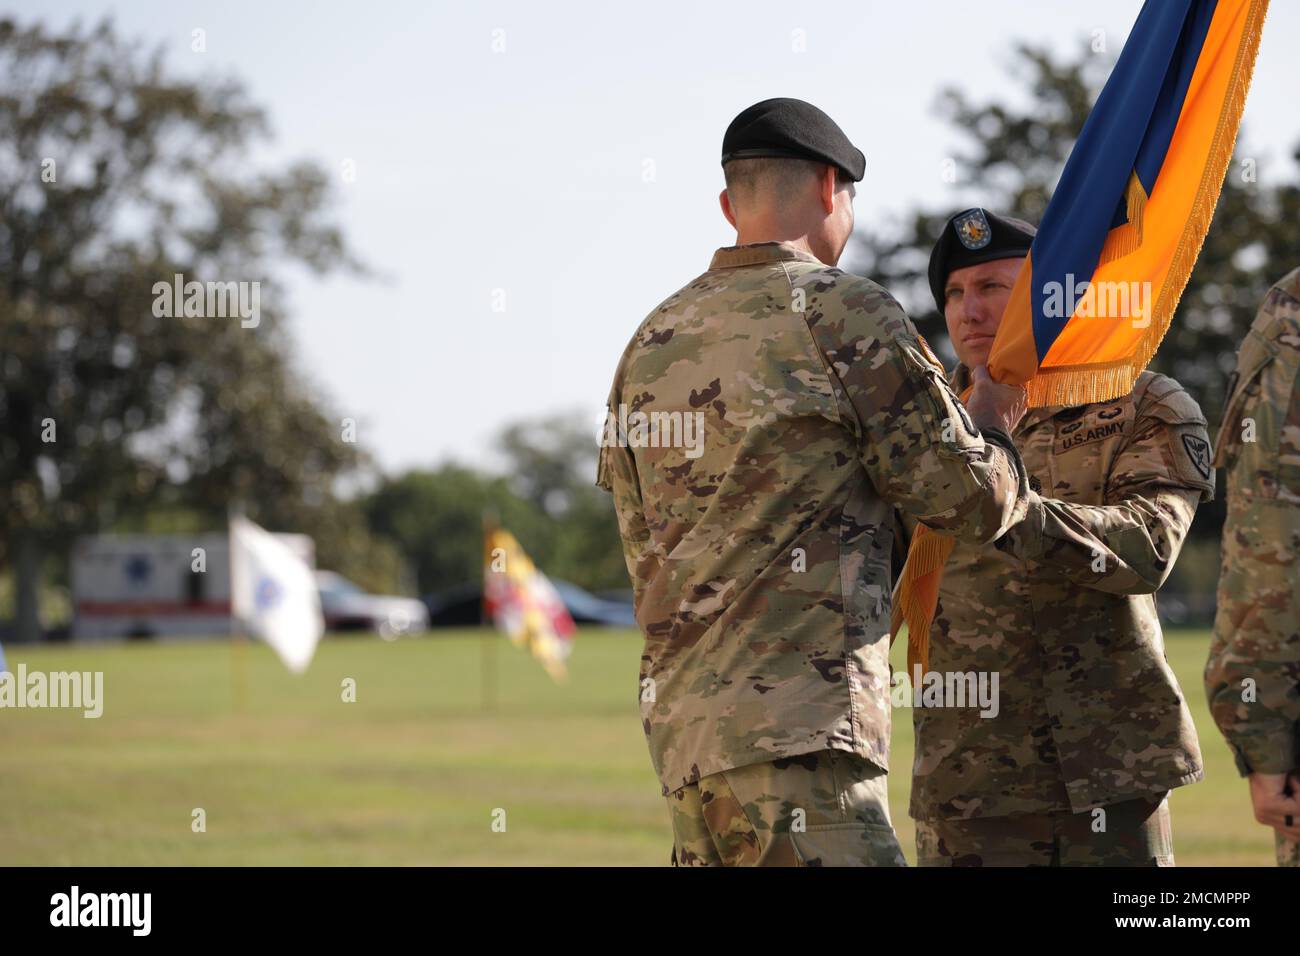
[[487, 633], [238, 634], [239, 669]]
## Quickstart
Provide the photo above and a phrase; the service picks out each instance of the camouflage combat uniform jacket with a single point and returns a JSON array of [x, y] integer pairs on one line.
[[1257, 627], [761, 565], [1063, 609]]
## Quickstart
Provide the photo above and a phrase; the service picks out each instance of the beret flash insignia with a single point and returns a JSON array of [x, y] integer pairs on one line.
[[973, 230]]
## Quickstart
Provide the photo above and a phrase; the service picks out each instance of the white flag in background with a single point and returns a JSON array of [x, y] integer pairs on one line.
[[273, 594]]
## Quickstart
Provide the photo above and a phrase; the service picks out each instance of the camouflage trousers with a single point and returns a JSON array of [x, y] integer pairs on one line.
[[1288, 851], [829, 808], [1129, 833]]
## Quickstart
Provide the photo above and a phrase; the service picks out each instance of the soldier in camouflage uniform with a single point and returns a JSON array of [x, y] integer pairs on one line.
[[1252, 679], [1091, 729], [760, 557]]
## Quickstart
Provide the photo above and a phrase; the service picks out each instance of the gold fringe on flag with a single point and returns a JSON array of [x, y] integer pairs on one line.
[[1081, 384], [917, 594], [1126, 237]]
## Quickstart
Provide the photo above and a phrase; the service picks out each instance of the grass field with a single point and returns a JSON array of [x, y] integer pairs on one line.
[[413, 771]]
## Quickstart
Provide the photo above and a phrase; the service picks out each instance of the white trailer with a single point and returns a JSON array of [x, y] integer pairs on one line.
[[146, 585]]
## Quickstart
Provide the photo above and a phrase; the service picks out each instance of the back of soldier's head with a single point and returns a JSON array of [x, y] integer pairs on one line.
[[790, 172], [773, 180]]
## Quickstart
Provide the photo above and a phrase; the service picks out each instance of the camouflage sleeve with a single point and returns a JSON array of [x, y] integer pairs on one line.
[[616, 473], [915, 440], [1252, 677], [1129, 544]]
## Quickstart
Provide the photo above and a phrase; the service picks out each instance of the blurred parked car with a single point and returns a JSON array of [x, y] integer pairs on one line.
[[348, 608], [587, 608], [463, 607]]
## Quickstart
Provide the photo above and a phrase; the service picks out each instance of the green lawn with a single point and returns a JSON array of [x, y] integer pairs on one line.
[[413, 772]]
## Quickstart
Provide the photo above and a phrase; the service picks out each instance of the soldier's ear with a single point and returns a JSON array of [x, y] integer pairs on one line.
[[828, 183], [725, 201]]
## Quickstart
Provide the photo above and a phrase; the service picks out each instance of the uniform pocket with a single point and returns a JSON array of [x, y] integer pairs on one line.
[[849, 844], [734, 836]]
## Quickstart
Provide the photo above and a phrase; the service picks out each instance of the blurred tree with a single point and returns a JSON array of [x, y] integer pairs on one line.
[[436, 520], [549, 460], [1014, 149], [346, 543], [114, 176], [552, 463], [548, 500]]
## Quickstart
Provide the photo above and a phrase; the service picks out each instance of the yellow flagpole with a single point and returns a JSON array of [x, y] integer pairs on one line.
[[488, 680], [239, 669], [238, 635]]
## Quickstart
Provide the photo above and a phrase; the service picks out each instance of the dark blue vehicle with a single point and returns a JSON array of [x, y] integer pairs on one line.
[[463, 607]]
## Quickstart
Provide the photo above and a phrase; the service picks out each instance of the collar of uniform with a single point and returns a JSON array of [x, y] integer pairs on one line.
[[960, 381], [729, 257]]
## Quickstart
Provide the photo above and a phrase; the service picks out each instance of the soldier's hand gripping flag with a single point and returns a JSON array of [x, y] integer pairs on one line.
[[1120, 236], [523, 603]]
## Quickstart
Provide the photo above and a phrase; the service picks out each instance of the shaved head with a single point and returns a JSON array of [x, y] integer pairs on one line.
[[780, 199], [770, 178]]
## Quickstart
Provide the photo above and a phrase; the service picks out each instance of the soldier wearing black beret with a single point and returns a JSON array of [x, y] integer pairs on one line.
[[790, 171], [764, 680], [792, 129], [972, 237], [1090, 730]]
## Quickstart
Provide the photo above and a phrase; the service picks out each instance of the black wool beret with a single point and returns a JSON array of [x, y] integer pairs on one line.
[[793, 129], [974, 236]]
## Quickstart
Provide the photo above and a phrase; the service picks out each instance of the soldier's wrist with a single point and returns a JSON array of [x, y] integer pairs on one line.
[[1029, 531], [996, 434]]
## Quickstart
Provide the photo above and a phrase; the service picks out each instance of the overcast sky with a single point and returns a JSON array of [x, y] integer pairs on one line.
[[566, 154]]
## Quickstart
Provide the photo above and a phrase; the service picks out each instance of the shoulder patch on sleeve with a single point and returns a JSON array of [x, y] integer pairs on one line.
[[1165, 400], [1198, 453], [929, 352]]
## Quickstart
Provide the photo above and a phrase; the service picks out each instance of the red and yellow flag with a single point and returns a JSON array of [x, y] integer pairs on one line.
[[1120, 236], [522, 602]]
